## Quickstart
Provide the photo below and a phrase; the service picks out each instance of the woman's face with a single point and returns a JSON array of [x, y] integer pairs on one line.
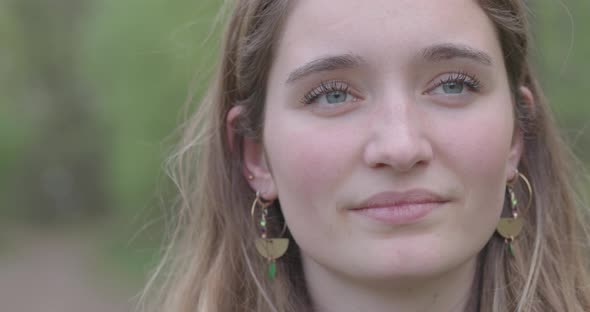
[[402, 106]]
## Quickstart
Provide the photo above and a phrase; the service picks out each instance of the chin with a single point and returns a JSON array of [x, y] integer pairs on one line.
[[410, 264]]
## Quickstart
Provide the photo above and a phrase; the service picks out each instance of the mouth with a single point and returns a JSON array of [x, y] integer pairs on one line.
[[400, 207]]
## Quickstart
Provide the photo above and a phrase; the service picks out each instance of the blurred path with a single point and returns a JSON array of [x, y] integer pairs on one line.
[[49, 272]]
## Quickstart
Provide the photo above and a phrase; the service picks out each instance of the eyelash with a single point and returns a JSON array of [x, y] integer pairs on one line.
[[469, 80], [325, 87]]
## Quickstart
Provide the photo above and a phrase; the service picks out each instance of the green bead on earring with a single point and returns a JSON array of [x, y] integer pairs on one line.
[[269, 248], [509, 228]]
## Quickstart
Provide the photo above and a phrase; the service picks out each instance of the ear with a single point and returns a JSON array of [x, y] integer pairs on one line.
[[255, 168], [517, 147]]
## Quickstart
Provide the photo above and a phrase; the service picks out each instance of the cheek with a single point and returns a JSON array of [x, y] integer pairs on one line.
[[310, 161], [309, 166], [478, 146], [477, 154]]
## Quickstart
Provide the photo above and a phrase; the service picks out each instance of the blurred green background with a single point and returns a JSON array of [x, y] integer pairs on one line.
[[91, 92]]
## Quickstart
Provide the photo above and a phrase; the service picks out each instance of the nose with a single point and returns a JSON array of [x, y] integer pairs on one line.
[[398, 138]]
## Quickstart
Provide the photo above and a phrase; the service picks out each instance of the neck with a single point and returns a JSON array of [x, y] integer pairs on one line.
[[449, 292]]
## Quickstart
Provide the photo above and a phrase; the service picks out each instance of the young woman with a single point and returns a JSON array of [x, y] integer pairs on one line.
[[375, 156]]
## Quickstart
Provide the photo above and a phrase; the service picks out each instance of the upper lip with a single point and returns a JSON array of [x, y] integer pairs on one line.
[[392, 199]]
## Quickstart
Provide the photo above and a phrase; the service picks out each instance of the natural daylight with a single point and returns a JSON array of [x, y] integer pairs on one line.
[[312, 155]]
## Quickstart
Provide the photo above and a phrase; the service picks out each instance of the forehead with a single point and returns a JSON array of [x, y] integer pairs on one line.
[[384, 31]]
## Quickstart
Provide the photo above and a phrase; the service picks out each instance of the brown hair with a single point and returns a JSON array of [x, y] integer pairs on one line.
[[211, 265]]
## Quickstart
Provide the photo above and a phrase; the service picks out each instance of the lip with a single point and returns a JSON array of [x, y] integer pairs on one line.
[[400, 207]]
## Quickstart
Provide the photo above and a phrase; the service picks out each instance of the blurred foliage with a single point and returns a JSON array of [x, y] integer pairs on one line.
[[140, 56], [53, 171], [91, 92], [561, 48]]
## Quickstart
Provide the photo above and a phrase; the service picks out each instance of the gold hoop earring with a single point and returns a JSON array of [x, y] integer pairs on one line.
[[269, 248], [510, 228]]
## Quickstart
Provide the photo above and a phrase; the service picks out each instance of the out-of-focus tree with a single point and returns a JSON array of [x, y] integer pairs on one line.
[[140, 56], [144, 59], [561, 49], [58, 173], [14, 133]]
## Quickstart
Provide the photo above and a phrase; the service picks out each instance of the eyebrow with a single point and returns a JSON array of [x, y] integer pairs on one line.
[[435, 53], [326, 63], [447, 51]]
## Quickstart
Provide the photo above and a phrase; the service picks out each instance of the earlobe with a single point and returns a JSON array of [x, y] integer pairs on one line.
[[255, 168], [255, 165], [517, 148], [515, 154]]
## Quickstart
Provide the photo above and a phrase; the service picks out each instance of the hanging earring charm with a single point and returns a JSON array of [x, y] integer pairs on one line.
[[510, 227], [269, 248]]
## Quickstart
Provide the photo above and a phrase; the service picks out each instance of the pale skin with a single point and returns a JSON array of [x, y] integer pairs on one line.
[[421, 101]]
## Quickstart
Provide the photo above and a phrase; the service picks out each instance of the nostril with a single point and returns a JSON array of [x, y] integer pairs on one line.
[[401, 160], [401, 145], [380, 165]]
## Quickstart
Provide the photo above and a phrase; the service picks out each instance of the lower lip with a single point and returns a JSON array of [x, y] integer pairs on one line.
[[402, 214]]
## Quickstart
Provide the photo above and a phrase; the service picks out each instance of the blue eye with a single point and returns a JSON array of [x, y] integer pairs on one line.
[[335, 97], [453, 87], [329, 93], [456, 84]]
